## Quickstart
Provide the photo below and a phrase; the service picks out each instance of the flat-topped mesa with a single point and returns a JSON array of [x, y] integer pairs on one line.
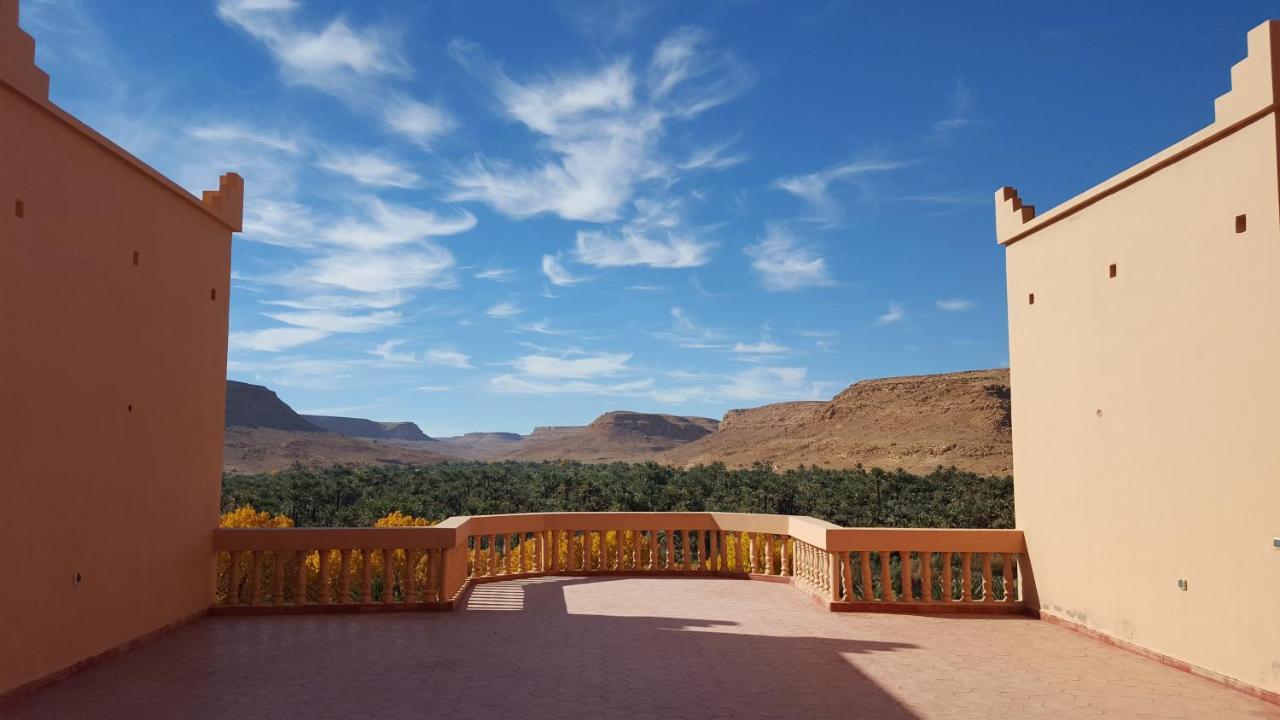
[[18, 56]]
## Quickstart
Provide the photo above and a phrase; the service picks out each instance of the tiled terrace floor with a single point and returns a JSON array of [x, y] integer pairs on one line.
[[630, 648]]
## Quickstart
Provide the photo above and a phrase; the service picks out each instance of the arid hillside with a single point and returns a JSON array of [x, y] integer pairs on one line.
[[263, 434], [615, 436], [480, 445], [371, 429], [915, 423]]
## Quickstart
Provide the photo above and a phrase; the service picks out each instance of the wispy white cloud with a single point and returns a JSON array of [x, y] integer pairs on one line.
[[784, 264], [358, 65], [894, 314], [763, 347], [815, 188], [332, 322], [329, 58], [369, 169], [712, 157], [387, 352], [273, 339], [233, 133], [528, 386], [449, 358], [955, 305], [383, 225], [600, 249], [496, 274], [504, 310], [599, 130], [687, 333], [418, 121], [605, 19], [557, 274], [433, 388], [961, 115], [572, 367]]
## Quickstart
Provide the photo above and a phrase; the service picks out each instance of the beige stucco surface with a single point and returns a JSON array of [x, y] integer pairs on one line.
[[1144, 405], [111, 379]]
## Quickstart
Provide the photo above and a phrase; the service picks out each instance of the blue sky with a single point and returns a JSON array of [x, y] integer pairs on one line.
[[490, 215]]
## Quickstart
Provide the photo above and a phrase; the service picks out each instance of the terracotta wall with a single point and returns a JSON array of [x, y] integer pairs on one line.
[[113, 331], [1145, 417]]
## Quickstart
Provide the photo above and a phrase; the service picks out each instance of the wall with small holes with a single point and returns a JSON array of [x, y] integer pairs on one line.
[[113, 332], [1144, 352]]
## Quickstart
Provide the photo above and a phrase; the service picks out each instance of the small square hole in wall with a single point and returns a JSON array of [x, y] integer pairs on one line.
[[1111, 271], [1031, 299], [136, 257], [130, 408], [19, 208], [213, 293], [1242, 223]]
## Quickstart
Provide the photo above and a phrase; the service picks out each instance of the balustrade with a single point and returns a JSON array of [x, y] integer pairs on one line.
[[305, 569]]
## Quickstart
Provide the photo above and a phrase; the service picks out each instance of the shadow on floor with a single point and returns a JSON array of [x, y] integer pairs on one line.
[[536, 648]]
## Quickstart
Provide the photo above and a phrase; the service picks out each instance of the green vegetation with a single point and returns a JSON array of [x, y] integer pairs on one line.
[[356, 497]]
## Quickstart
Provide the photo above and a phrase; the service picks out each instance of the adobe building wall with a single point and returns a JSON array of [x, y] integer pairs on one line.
[[113, 332], [1145, 426]]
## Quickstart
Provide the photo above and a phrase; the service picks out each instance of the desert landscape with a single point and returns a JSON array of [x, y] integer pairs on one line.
[[914, 423]]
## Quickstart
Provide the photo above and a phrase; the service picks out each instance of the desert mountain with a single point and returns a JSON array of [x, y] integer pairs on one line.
[[263, 434], [480, 445], [915, 423], [614, 436], [371, 429], [254, 406]]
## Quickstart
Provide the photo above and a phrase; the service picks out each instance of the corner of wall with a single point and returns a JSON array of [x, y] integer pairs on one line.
[[1255, 80], [1011, 214], [18, 56], [227, 202]]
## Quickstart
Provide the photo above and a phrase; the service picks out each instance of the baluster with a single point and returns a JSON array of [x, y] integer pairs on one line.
[[388, 576], [277, 573], [868, 589], [540, 550], [714, 555], [300, 591], [366, 575], [1006, 576], [233, 577], [988, 592], [410, 583], [323, 593], [966, 577], [841, 587], [634, 548], [669, 553], [493, 558], [344, 571], [768, 554], [905, 571], [783, 566], [886, 578], [751, 552], [948, 587], [926, 576], [255, 579], [653, 549]]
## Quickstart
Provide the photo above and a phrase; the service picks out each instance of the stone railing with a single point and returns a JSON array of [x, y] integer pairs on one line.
[[429, 568]]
